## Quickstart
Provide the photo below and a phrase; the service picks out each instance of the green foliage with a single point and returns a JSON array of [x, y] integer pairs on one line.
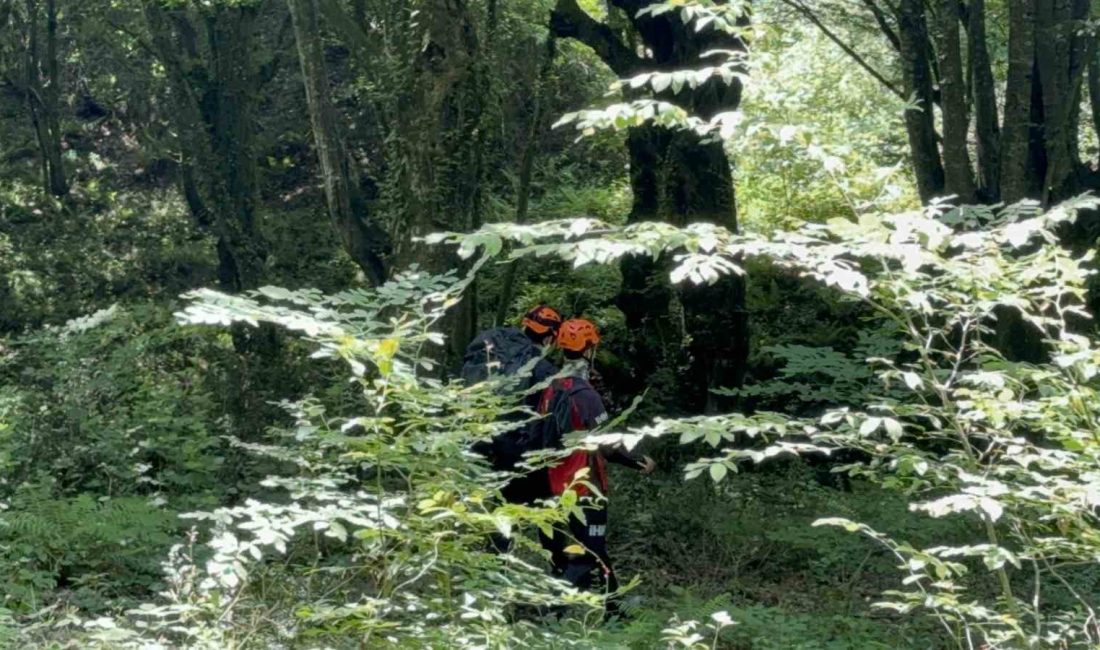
[[821, 376], [106, 424], [382, 513], [59, 262], [120, 403], [93, 553], [359, 519], [820, 138], [1009, 445]]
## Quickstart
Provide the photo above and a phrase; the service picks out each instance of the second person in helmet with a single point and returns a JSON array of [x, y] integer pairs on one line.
[[571, 404]]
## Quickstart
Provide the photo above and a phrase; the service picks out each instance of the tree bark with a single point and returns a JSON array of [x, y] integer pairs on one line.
[[1053, 44], [685, 341], [231, 36], [213, 115], [1018, 94], [44, 96], [1094, 88], [919, 121], [362, 240], [958, 176], [984, 98], [526, 170]]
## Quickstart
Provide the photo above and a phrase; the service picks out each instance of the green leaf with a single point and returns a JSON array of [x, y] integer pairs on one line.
[[660, 82], [717, 472], [869, 426]]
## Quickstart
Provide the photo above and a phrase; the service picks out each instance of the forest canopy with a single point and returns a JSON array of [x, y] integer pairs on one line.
[[697, 324]]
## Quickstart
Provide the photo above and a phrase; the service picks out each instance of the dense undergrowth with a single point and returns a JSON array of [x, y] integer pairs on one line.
[[173, 476], [360, 518]]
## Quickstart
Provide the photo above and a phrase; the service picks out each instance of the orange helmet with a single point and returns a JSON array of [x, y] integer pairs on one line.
[[577, 335], [542, 320]]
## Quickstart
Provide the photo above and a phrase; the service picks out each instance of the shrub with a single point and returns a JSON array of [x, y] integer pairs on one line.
[[949, 419], [377, 533]]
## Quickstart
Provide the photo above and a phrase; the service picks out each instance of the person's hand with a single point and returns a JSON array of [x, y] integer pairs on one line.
[[647, 464]]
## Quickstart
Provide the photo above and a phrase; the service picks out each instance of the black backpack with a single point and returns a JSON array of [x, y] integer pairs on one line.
[[502, 352]]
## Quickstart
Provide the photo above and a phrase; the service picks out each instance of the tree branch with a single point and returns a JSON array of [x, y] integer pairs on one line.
[[270, 69], [5, 12], [568, 20], [883, 24], [805, 11], [349, 30]]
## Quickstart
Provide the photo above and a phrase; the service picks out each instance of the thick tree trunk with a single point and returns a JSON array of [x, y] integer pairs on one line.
[[241, 248], [685, 341], [1018, 101], [958, 177], [364, 242], [436, 178], [214, 90], [1053, 44], [984, 98], [920, 121], [432, 152], [213, 114]]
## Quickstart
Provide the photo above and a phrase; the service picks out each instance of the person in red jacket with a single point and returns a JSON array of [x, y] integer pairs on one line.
[[570, 404]]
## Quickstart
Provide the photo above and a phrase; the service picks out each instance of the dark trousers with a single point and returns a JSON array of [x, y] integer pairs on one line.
[[590, 570]]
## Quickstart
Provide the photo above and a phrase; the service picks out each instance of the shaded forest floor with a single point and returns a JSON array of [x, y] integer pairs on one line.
[[747, 546]]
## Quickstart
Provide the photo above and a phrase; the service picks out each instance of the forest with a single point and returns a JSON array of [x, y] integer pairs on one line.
[[624, 324]]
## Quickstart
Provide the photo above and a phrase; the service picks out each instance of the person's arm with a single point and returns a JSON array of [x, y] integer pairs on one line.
[[616, 454], [593, 414]]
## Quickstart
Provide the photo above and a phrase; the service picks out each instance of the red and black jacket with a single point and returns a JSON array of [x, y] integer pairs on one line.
[[572, 404]]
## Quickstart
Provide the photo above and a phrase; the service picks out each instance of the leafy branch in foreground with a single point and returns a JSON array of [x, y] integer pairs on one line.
[[377, 530], [948, 419]]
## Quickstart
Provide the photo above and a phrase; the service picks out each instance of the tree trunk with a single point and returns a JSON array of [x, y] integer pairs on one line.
[[920, 121], [432, 127], [363, 241], [984, 98], [1018, 96], [241, 249], [526, 170], [215, 89], [59, 186], [958, 176], [1094, 88], [44, 96], [685, 341], [1053, 42], [34, 101], [434, 154], [214, 104]]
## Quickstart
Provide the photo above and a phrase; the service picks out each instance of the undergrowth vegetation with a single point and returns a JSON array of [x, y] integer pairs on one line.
[[229, 339], [371, 526]]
